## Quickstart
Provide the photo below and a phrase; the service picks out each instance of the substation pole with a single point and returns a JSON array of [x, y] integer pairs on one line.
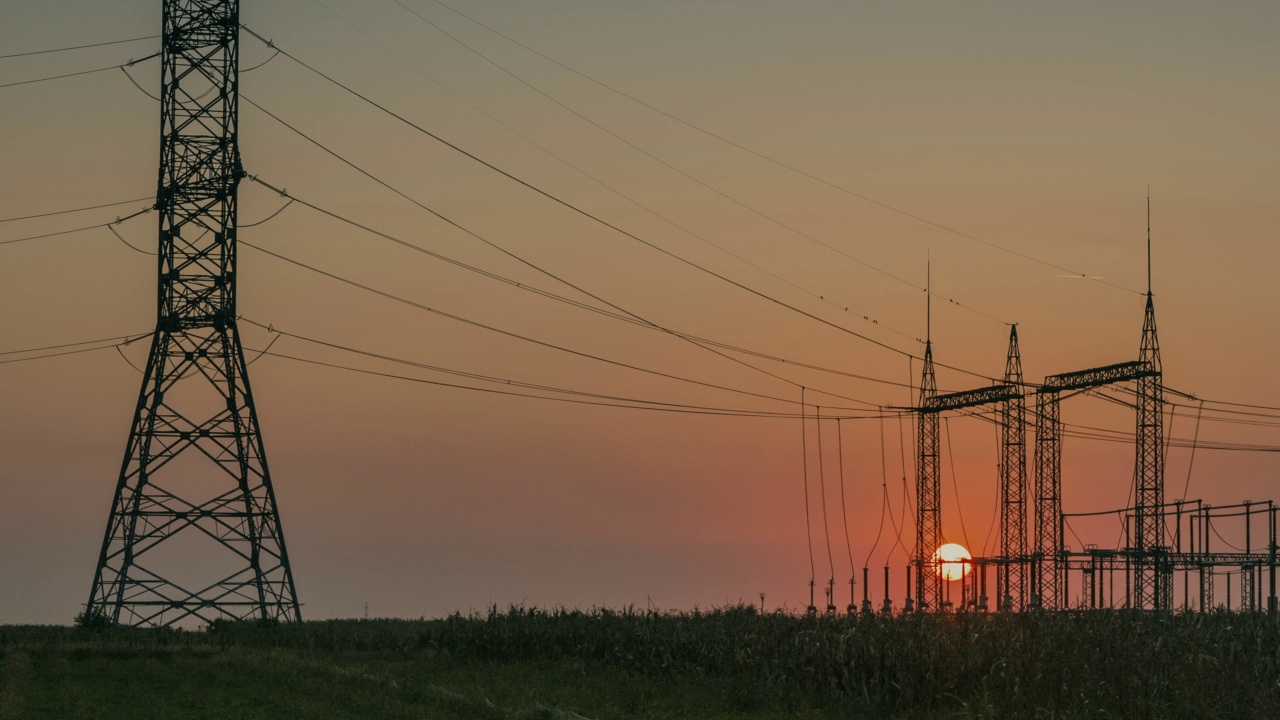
[[194, 533], [1048, 540], [1151, 571], [1011, 571], [928, 492]]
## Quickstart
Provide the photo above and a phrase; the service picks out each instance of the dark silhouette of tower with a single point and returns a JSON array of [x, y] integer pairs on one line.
[[1152, 581], [928, 481], [1013, 482], [194, 533]]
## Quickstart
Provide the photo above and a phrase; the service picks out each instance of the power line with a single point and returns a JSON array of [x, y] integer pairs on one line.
[[496, 379], [511, 254], [689, 176], [122, 339], [61, 353], [646, 208], [73, 231], [588, 215], [78, 47], [73, 210], [779, 163], [571, 401], [499, 331], [562, 299], [500, 248], [78, 74]]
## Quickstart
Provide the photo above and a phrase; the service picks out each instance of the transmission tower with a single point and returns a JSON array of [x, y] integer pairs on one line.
[[194, 469], [1048, 526], [1153, 582], [1013, 482], [928, 484]]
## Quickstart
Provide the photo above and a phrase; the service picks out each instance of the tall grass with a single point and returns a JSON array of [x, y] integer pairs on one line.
[[1093, 664]]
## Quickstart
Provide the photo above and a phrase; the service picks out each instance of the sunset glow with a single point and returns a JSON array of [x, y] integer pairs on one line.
[[954, 561]]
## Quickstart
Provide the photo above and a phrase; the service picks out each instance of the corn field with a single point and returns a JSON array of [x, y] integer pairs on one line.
[[1096, 664]]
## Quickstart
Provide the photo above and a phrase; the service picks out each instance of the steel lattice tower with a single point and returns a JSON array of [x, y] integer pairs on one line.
[[194, 468], [1013, 482], [1048, 527], [1152, 582], [928, 485]]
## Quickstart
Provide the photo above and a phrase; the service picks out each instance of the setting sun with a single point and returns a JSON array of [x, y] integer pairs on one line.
[[952, 561]]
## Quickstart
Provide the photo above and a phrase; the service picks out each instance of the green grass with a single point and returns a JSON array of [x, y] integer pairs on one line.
[[731, 663]]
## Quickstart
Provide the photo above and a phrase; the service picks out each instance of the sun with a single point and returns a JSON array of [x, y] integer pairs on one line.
[[952, 561]]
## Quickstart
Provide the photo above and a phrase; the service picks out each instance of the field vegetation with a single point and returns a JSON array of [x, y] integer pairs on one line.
[[728, 663]]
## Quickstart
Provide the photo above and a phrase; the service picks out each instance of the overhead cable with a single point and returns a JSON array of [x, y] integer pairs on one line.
[[779, 163], [628, 198], [78, 47], [695, 179], [78, 74], [590, 216]]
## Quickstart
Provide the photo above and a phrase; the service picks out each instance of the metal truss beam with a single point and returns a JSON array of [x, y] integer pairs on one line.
[[989, 395]]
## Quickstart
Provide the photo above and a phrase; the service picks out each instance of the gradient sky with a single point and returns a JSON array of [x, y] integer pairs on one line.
[[1037, 127]]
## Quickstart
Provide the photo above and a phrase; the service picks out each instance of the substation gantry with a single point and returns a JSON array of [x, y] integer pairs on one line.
[[1161, 539]]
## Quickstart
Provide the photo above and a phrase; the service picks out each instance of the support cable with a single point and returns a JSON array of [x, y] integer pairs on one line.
[[141, 89], [128, 244], [270, 217]]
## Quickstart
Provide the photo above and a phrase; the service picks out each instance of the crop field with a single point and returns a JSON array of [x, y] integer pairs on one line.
[[728, 663]]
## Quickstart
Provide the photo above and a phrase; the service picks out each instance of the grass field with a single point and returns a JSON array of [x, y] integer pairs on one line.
[[732, 663]]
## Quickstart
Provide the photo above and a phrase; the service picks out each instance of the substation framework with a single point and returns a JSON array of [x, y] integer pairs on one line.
[[1162, 542]]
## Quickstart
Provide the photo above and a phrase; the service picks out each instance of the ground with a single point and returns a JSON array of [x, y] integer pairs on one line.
[[727, 664]]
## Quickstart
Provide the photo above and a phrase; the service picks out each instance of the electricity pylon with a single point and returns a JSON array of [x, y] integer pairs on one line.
[[1013, 482], [1153, 580], [194, 468], [928, 479]]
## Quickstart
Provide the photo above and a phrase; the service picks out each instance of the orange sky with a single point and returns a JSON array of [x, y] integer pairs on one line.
[[1038, 129]]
